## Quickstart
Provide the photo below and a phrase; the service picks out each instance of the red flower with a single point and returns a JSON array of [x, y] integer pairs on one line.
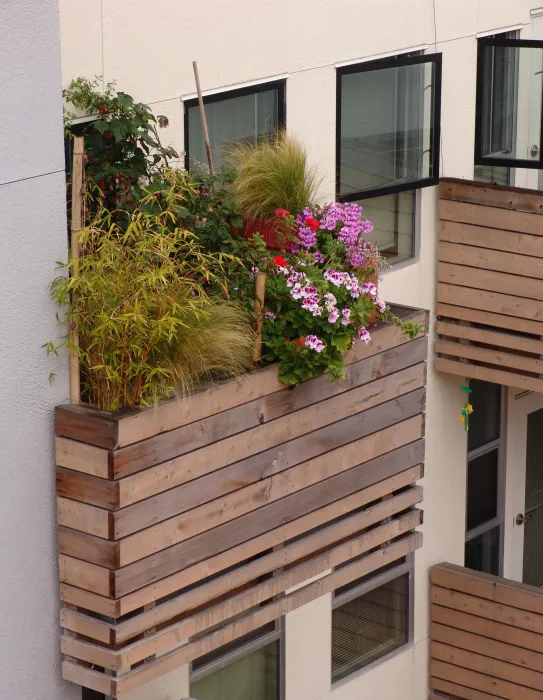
[[281, 213], [312, 223], [279, 261]]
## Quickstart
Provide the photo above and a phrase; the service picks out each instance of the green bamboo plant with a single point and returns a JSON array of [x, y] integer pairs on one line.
[[136, 298]]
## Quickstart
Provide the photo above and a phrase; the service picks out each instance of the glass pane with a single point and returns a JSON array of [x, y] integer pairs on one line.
[[230, 120], [385, 130], [511, 85], [483, 552], [368, 627], [253, 677], [393, 219], [492, 173], [482, 489], [484, 422]]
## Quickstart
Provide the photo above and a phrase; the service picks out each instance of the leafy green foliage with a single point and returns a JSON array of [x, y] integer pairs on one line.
[[129, 152], [146, 326], [288, 325], [272, 174]]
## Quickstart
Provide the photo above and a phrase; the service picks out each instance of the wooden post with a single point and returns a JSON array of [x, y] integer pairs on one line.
[[259, 306], [203, 118], [77, 225]]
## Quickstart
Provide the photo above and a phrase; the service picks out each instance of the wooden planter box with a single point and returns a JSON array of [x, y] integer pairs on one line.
[[184, 527]]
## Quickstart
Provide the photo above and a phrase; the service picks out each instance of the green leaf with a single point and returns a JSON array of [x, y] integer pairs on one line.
[[341, 342]]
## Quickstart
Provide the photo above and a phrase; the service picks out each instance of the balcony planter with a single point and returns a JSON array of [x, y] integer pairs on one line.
[[192, 520], [271, 231]]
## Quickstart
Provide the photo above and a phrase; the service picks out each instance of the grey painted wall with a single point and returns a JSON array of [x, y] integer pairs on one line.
[[32, 238]]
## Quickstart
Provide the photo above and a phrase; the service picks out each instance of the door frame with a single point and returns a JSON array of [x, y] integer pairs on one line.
[[520, 405]]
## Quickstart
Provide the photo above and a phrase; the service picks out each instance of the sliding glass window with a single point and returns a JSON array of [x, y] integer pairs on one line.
[[509, 109], [234, 115]]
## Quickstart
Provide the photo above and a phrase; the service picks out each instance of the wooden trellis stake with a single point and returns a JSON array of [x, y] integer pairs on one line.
[[259, 310], [78, 172], [203, 118]]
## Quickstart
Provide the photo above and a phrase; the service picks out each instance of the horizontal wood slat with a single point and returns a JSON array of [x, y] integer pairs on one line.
[[486, 636], [490, 283], [126, 427], [194, 523], [491, 195], [212, 565]]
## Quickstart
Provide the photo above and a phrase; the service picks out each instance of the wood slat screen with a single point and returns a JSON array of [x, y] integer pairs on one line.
[[184, 527], [490, 283], [486, 636]]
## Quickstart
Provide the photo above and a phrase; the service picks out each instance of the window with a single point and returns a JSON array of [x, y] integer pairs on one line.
[[388, 126], [246, 669], [388, 121], [371, 618], [509, 114], [484, 511], [394, 220], [502, 65], [247, 113]]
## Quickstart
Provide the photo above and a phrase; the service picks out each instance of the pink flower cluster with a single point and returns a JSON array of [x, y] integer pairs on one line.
[[307, 231], [364, 335], [344, 279], [314, 343]]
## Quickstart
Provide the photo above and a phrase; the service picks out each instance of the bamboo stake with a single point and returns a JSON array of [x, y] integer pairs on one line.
[[77, 224], [259, 306], [203, 118]]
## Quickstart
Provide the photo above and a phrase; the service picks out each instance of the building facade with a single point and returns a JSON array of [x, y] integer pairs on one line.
[[355, 82]]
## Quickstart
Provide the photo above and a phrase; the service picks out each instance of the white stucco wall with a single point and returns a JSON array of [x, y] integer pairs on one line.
[[148, 47], [32, 238]]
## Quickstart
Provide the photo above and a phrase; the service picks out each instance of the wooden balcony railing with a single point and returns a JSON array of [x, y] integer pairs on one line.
[[490, 284], [486, 636], [184, 527]]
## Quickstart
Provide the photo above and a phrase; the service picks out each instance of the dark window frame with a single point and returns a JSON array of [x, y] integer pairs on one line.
[[435, 122], [279, 85], [244, 649], [479, 159], [499, 444], [381, 577]]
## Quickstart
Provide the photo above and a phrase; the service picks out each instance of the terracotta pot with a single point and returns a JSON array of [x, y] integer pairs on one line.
[[269, 229], [298, 342]]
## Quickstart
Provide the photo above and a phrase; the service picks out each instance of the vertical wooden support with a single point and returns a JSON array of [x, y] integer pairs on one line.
[[203, 117], [259, 306], [77, 225]]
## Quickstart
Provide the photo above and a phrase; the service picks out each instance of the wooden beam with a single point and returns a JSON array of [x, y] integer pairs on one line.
[[488, 337], [262, 411], [489, 356], [515, 264], [491, 217], [487, 628], [502, 282], [224, 537], [113, 431], [485, 300], [495, 588], [223, 560], [447, 311], [277, 559], [492, 685], [506, 614], [484, 194], [488, 374], [490, 238], [167, 638], [497, 650], [522, 678]]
